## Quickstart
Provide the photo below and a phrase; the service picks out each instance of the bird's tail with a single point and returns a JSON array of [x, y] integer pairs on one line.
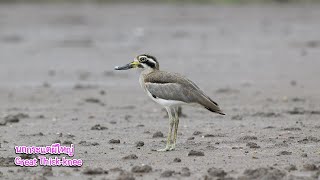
[[212, 106], [216, 111]]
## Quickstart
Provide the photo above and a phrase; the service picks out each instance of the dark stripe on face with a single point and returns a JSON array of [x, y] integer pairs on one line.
[[150, 64]]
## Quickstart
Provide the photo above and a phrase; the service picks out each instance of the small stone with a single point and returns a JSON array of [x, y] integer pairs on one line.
[[252, 145], [11, 119], [131, 156], [94, 171], [263, 173], [57, 141], [185, 172], [98, 127], [177, 160], [139, 143], [190, 138], [195, 153], [304, 155], [141, 169], [269, 127], [70, 136], [292, 129], [310, 167], [67, 142], [197, 133], [248, 138], [158, 134], [284, 153], [217, 172], [114, 141], [92, 100], [85, 143], [214, 135], [167, 173]]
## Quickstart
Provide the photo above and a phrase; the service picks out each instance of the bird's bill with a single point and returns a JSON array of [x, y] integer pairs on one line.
[[131, 65]]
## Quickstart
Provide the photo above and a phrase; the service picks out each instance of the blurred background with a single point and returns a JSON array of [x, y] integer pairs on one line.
[[236, 41], [60, 42]]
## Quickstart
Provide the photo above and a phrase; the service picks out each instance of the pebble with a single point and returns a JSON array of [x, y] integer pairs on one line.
[[139, 143], [252, 145], [131, 156], [195, 153], [94, 171], [167, 173], [263, 173], [304, 155], [248, 138], [284, 153], [310, 167], [217, 172], [185, 172], [158, 134], [190, 138], [114, 141], [141, 169], [98, 127], [197, 133]]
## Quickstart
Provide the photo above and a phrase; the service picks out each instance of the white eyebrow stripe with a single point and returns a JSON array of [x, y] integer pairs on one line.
[[151, 60]]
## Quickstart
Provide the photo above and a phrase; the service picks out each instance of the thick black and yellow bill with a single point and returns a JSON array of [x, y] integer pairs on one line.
[[134, 64]]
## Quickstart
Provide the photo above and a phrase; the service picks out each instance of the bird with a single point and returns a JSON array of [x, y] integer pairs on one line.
[[171, 90]]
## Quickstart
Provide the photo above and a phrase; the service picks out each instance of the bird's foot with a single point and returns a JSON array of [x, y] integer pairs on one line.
[[173, 147], [167, 148]]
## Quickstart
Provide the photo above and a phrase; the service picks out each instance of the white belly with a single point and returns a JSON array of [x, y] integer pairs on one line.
[[164, 102]]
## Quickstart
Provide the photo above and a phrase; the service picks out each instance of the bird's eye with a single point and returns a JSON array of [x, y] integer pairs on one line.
[[143, 59]]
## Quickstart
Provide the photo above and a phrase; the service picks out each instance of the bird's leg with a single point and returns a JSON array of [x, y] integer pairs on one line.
[[176, 124], [171, 120]]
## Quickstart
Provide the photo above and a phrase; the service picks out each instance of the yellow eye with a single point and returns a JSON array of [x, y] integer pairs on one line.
[[143, 59]]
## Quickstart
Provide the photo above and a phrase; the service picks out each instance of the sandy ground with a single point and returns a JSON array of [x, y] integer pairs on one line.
[[260, 63]]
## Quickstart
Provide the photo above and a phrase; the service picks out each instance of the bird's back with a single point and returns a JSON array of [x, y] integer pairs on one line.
[[173, 86]]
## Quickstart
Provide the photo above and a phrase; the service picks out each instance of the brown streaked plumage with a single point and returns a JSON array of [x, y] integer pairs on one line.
[[171, 90]]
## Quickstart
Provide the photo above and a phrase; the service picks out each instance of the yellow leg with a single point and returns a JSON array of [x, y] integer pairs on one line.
[[171, 119], [176, 125]]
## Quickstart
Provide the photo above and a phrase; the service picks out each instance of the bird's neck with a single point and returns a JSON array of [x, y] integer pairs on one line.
[[143, 75], [148, 71]]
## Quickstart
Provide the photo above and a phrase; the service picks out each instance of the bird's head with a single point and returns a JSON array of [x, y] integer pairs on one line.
[[144, 61]]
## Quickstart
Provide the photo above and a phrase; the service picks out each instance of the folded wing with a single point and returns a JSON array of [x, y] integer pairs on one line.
[[170, 86]]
